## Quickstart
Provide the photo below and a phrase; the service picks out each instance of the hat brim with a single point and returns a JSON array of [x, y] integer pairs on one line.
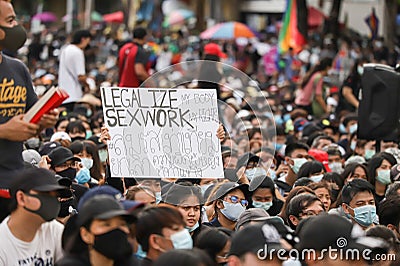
[[111, 214], [242, 187], [48, 188], [76, 159]]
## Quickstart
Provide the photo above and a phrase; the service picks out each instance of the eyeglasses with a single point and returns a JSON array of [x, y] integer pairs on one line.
[[235, 200], [311, 213], [68, 165]]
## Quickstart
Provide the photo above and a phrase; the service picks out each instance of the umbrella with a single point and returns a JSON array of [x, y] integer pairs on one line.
[[45, 17], [116, 17], [227, 30], [177, 17]]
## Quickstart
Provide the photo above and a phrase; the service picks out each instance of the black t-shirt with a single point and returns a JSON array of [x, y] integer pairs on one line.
[[142, 56], [16, 97], [354, 82]]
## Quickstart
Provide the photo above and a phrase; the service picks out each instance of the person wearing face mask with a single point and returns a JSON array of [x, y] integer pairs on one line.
[[296, 155], [350, 91], [76, 130], [230, 201], [251, 165], [64, 164], [101, 237], [314, 170], [358, 202], [264, 195], [379, 173], [350, 127], [160, 229], [216, 242], [31, 232], [19, 97]]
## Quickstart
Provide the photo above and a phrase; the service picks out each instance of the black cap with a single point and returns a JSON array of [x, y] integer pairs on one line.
[[230, 174], [96, 140], [48, 147], [227, 187], [246, 158], [61, 155], [38, 179], [252, 215], [102, 207], [255, 238]]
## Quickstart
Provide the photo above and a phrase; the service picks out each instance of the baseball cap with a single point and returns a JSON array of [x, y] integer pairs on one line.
[[61, 155], [100, 190], [32, 157], [230, 174], [96, 140], [214, 49], [320, 156], [38, 179], [48, 147], [60, 135], [246, 158], [255, 238], [252, 215], [228, 187], [102, 207]]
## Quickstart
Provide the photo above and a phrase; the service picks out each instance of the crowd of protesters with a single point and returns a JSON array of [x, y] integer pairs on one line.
[[297, 177]]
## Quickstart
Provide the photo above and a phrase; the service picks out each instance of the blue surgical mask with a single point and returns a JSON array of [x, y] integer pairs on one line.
[[278, 119], [140, 254], [262, 205], [278, 146], [353, 129], [158, 197], [272, 174], [232, 211], [182, 240], [383, 177], [286, 117], [83, 176], [103, 155], [342, 128], [298, 162], [194, 227], [317, 178], [87, 162], [360, 70], [369, 154], [255, 172], [89, 133], [365, 215], [353, 145]]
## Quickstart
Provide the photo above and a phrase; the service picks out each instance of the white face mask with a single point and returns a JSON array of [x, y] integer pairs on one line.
[[298, 162], [336, 167], [317, 178], [182, 240], [232, 211], [87, 162], [360, 70]]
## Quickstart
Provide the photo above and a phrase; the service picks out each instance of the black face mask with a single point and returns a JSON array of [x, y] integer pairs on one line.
[[49, 207], [77, 138], [69, 173], [113, 244], [64, 210], [14, 39]]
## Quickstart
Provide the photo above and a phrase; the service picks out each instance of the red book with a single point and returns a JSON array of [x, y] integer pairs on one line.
[[50, 100]]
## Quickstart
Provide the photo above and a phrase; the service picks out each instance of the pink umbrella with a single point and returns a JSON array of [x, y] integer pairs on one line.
[[45, 17], [116, 17], [227, 30]]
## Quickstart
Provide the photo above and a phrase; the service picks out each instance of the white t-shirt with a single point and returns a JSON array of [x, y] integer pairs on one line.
[[44, 249], [72, 64]]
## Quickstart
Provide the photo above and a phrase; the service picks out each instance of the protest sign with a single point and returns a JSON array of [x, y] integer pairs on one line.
[[162, 132]]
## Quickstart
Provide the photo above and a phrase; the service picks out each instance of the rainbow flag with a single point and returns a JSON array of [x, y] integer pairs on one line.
[[373, 24], [293, 32]]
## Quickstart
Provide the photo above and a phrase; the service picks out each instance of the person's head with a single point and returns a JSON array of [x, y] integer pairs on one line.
[[303, 206], [141, 193], [231, 201], [216, 242], [193, 257], [393, 190], [160, 229], [293, 193], [314, 170], [323, 191], [264, 195], [354, 171], [321, 142], [391, 242], [81, 38], [76, 130], [102, 220], [61, 124], [335, 160], [139, 35], [296, 155], [34, 192], [88, 153], [63, 162], [389, 214], [188, 200], [379, 168], [13, 36], [255, 245], [358, 202]]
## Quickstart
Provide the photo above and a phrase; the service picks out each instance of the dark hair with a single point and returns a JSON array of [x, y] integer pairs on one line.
[[335, 177], [354, 187], [79, 34], [297, 205], [133, 190], [182, 257], [316, 140], [153, 220], [78, 146], [389, 211], [59, 121], [212, 241], [75, 127], [314, 186], [293, 193], [139, 33], [277, 204], [323, 64], [376, 161], [334, 150], [178, 192], [309, 168], [351, 168], [385, 234], [302, 181], [392, 189], [290, 148]]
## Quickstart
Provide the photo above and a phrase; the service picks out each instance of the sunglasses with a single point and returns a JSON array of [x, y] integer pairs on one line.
[[235, 200]]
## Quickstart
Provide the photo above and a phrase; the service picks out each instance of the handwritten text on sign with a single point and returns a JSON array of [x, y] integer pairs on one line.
[[162, 132]]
